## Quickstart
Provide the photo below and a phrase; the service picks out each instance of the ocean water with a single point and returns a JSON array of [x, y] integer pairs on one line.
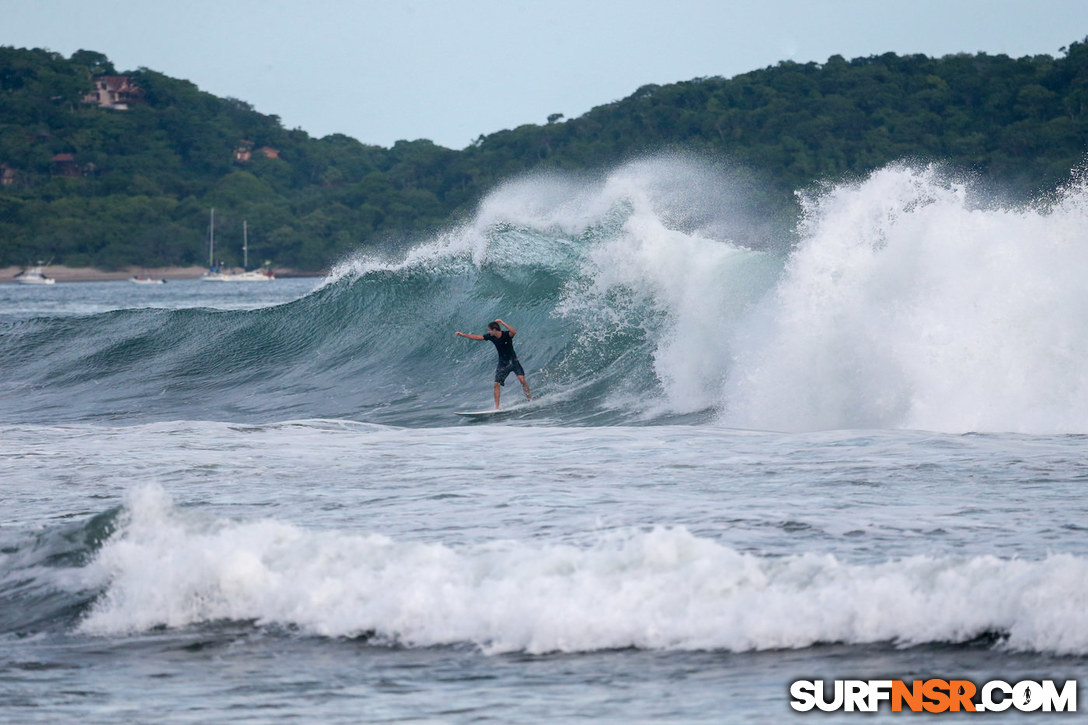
[[860, 452]]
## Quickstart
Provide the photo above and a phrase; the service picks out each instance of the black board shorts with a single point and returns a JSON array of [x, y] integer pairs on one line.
[[505, 368]]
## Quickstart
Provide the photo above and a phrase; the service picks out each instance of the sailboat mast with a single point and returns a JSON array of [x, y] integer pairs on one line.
[[245, 247], [211, 241]]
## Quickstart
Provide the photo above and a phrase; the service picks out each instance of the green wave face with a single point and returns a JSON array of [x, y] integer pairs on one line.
[[590, 273]]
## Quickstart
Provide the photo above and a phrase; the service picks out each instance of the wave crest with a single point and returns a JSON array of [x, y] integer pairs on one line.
[[659, 589]]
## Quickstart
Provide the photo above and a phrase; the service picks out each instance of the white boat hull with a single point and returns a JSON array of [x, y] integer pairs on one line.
[[34, 275], [253, 276]]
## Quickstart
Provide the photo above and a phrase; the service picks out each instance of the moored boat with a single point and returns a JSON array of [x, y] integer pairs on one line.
[[33, 275], [216, 274]]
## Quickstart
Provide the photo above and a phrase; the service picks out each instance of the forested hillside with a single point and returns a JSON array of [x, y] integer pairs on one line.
[[87, 185]]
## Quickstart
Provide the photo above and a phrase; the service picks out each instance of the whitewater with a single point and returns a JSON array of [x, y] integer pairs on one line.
[[854, 446]]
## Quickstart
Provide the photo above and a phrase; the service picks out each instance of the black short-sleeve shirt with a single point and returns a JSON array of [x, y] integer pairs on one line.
[[504, 344]]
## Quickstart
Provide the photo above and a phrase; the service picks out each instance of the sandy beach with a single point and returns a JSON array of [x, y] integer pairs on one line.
[[89, 274]]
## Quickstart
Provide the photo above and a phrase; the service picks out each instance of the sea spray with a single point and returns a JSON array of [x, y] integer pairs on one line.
[[905, 306]]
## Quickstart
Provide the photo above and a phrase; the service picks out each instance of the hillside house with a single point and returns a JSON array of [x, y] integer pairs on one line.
[[114, 92], [65, 165], [243, 152]]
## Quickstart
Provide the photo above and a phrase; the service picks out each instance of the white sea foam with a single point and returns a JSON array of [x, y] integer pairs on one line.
[[658, 589], [905, 307], [684, 291]]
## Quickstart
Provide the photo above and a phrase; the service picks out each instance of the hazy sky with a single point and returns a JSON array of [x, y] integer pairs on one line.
[[383, 70]]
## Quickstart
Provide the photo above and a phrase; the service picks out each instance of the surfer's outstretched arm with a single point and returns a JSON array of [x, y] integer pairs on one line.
[[511, 329], [470, 336]]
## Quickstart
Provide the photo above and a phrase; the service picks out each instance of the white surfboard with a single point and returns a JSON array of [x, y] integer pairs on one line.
[[492, 412]]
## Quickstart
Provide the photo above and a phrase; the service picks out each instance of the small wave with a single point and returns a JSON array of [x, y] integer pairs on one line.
[[661, 589]]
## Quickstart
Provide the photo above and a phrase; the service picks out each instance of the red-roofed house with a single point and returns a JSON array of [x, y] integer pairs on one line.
[[114, 92], [65, 165]]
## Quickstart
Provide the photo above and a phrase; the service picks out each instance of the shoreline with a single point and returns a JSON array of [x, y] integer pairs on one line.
[[62, 273]]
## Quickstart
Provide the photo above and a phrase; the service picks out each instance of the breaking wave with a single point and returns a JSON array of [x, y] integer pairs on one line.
[[651, 294], [662, 589]]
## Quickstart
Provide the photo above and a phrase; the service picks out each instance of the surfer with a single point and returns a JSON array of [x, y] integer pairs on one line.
[[508, 359]]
